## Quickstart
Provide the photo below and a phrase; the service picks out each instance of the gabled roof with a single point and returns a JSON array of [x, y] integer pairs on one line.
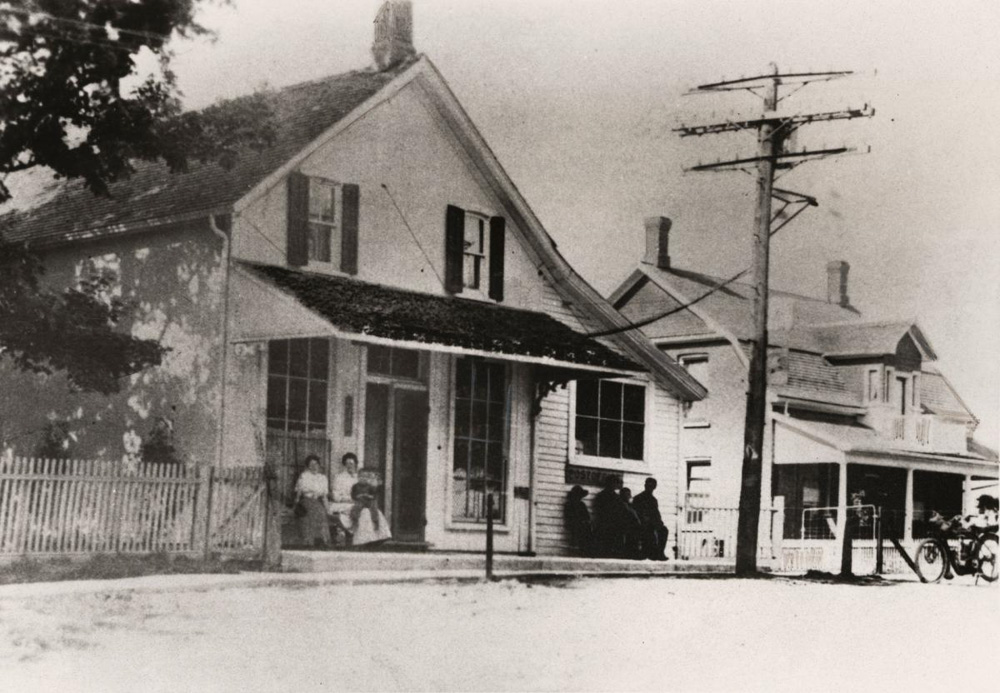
[[869, 338], [302, 112], [307, 114], [937, 396], [361, 308]]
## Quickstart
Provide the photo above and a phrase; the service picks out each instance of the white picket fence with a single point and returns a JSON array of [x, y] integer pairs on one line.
[[72, 507]]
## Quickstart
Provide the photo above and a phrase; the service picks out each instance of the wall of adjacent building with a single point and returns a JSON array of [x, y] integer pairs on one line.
[[171, 280]]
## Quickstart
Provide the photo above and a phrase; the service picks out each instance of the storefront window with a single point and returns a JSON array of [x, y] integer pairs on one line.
[[610, 419], [297, 383], [480, 453]]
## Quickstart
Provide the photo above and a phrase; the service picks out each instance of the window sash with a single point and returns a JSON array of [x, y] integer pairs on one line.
[[614, 424], [298, 393], [481, 422]]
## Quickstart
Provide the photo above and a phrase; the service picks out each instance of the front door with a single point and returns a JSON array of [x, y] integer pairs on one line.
[[396, 448]]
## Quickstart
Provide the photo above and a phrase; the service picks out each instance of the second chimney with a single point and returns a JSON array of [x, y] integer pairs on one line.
[[836, 283], [393, 44], [657, 242]]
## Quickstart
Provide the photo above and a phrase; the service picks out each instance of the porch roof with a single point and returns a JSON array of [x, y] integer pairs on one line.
[[380, 313]]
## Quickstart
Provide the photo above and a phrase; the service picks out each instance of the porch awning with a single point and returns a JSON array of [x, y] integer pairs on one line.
[[365, 312]]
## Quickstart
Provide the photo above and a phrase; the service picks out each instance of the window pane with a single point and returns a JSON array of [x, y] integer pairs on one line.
[[463, 378], [479, 411], [379, 359], [474, 227], [494, 462], [319, 242], [470, 277], [317, 402], [406, 363], [586, 433], [634, 408], [461, 459], [481, 383], [321, 200], [611, 400], [632, 441], [498, 383], [319, 358], [496, 422], [477, 463], [276, 398], [463, 426], [586, 397], [277, 360], [610, 439], [298, 355], [297, 399]]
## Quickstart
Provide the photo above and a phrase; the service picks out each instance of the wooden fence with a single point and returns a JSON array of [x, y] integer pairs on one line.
[[76, 507]]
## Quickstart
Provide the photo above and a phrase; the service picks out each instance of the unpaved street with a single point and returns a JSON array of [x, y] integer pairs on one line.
[[654, 634]]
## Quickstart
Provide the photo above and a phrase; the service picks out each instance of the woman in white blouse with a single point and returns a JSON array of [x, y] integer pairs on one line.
[[311, 490]]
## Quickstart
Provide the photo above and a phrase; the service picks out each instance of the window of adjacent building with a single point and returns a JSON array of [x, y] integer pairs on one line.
[[102, 273], [696, 413], [297, 385], [479, 466], [697, 489], [394, 362], [323, 221], [611, 419], [873, 385]]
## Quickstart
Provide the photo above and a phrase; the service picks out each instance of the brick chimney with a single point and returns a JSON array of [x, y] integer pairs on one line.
[[393, 42], [657, 242], [836, 283]]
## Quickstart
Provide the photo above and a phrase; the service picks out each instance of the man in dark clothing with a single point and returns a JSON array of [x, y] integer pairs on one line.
[[654, 532], [581, 532], [609, 537], [631, 526]]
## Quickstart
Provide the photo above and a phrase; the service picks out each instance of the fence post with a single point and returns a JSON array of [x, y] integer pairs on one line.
[[272, 517], [489, 536], [778, 531], [878, 541], [209, 486]]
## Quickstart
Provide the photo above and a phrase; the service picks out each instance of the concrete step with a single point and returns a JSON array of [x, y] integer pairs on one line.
[[503, 564]]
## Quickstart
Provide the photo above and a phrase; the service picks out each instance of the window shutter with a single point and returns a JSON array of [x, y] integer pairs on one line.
[[297, 241], [454, 249], [498, 231], [349, 229]]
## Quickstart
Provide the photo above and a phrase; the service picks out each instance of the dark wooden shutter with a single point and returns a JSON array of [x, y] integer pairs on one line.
[[454, 249], [297, 242], [498, 232], [349, 229]]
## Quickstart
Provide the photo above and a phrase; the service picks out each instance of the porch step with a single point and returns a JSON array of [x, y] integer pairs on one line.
[[333, 561]]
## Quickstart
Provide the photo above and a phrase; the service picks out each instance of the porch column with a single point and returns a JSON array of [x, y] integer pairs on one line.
[[967, 500], [908, 507], [842, 499]]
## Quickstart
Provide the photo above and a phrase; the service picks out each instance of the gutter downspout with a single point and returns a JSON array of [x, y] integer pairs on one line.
[[220, 232]]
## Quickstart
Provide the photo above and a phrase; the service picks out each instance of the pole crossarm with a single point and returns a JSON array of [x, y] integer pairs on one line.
[[788, 123], [781, 161], [761, 80]]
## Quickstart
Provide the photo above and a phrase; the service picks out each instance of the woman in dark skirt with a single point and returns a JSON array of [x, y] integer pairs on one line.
[[311, 491]]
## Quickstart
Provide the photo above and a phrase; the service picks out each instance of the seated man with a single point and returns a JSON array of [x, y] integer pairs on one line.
[[654, 532]]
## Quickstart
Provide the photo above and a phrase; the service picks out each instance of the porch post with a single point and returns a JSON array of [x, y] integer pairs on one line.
[[908, 507], [842, 499], [967, 499]]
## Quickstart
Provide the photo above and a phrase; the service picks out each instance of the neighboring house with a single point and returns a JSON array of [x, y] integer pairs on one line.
[[373, 283], [857, 413]]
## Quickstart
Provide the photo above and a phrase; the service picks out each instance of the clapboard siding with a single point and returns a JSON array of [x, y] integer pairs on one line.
[[551, 451]]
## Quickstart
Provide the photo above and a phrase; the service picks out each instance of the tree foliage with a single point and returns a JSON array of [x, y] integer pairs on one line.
[[44, 331], [71, 98]]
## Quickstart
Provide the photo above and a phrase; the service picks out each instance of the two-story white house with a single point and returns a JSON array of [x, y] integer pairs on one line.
[[858, 412], [372, 283]]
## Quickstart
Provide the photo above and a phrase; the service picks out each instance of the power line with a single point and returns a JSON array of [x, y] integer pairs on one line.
[[415, 239]]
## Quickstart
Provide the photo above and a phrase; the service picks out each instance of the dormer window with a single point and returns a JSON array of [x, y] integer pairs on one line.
[[874, 385]]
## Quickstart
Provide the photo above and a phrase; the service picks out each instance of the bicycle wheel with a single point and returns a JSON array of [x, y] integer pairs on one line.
[[986, 557], [931, 559]]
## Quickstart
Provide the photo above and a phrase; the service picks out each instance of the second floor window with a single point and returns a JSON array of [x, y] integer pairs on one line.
[[696, 413], [323, 221], [611, 419], [474, 255]]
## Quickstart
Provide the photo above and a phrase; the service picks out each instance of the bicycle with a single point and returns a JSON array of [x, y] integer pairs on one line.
[[977, 554]]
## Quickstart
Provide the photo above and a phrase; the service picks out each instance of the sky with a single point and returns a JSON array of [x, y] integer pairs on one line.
[[579, 101]]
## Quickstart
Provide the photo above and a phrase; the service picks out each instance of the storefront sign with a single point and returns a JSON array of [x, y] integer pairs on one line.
[[589, 476]]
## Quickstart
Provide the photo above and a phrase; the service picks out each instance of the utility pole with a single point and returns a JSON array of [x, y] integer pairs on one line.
[[772, 131]]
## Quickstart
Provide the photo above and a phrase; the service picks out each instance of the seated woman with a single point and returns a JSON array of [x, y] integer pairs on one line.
[[341, 501], [311, 490], [368, 525]]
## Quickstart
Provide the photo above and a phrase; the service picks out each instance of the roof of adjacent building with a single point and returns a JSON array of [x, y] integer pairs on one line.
[[361, 308], [301, 112]]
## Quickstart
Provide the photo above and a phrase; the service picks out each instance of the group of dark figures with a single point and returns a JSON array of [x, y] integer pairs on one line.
[[622, 526]]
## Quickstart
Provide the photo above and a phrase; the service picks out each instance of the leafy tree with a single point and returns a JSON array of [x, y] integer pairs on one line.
[[71, 102]]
